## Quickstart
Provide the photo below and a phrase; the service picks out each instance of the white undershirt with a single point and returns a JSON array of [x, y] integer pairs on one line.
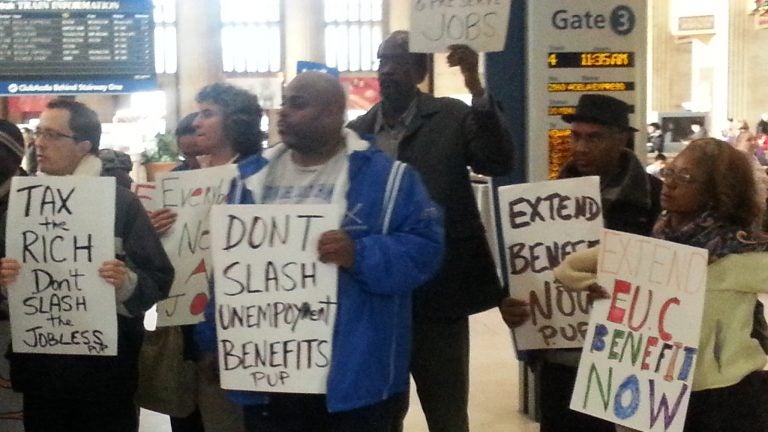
[[289, 183]]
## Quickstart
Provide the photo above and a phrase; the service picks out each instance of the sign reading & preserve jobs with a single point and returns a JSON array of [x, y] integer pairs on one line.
[[578, 47], [71, 47]]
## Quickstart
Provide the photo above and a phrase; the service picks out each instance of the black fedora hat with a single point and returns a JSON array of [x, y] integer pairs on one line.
[[602, 110]]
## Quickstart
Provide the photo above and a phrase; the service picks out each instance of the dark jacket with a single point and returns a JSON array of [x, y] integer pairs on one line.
[[98, 377], [443, 139]]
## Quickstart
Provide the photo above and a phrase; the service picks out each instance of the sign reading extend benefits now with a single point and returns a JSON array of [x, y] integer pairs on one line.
[[61, 230], [276, 303], [637, 366], [542, 223]]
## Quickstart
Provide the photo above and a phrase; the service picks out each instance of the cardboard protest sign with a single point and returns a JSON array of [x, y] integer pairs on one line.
[[437, 24], [61, 230], [637, 366], [190, 194], [542, 223], [146, 193], [275, 302]]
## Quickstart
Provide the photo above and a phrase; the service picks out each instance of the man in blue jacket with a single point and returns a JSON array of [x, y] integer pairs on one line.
[[389, 243]]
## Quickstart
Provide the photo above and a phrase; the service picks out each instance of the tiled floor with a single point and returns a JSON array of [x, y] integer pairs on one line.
[[493, 405]]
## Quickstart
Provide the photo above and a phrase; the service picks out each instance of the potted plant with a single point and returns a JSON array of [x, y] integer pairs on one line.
[[163, 157]]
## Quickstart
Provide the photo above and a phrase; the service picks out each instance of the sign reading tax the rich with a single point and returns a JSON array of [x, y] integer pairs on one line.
[[542, 223], [276, 303], [61, 230]]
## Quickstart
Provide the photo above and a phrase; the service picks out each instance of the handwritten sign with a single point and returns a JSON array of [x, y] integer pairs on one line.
[[275, 302], [637, 368], [481, 24], [146, 193], [61, 230], [190, 194], [542, 223]]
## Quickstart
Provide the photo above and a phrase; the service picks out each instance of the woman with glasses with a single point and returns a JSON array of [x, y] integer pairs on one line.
[[709, 202]]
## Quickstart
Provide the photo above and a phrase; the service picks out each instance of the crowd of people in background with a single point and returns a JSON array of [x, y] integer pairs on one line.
[[412, 268]]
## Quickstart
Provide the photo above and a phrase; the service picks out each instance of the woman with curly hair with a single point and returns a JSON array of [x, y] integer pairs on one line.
[[709, 202]]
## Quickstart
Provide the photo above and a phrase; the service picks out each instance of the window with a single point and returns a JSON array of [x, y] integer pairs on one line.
[[165, 36], [353, 32], [250, 36]]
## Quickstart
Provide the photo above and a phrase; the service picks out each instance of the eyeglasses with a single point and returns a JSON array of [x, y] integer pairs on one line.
[[669, 175], [51, 135]]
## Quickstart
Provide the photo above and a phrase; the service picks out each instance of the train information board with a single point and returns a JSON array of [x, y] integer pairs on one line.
[[577, 47], [70, 47]]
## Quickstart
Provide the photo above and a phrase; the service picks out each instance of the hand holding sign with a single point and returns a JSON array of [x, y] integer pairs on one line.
[[336, 247], [514, 312], [162, 220], [9, 271], [466, 59], [114, 272]]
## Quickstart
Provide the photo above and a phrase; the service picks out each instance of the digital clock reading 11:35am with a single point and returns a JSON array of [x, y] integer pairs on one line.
[[591, 59]]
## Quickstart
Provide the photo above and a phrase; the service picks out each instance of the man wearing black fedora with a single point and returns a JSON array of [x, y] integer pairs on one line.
[[600, 134]]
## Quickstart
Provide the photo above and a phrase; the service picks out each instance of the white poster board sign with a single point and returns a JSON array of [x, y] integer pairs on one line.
[[145, 192], [637, 367], [61, 230], [190, 194], [481, 24], [542, 223], [276, 303]]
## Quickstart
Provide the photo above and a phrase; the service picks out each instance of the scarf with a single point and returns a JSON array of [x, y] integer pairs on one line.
[[706, 232]]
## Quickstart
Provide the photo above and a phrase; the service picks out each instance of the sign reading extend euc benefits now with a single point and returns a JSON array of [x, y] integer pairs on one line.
[[542, 223], [61, 230], [276, 303], [637, 365]]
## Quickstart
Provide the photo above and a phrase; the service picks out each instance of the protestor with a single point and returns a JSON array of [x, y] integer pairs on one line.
[[441, 137], [600, 132], [225, 130], [659, 161], [11, 154], [708, 201], [187, 143], [384, 250], [92, 393]]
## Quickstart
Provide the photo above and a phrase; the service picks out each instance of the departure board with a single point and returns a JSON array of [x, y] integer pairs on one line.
[[50, 47], [578, 47]]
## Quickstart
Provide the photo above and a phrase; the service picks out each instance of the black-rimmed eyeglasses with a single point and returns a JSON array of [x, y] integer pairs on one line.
[[51, 134]]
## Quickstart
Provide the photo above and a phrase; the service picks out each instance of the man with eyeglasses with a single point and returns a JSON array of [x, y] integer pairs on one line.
[[600, 132], [92, 393]]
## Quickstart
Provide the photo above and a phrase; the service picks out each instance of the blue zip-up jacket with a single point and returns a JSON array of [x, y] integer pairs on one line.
[[398, 235]]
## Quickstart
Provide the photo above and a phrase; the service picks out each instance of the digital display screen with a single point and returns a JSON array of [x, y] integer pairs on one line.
[[75, 44], [591, 59], [609, 86]]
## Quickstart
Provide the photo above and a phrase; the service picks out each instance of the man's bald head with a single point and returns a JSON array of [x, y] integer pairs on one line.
[[313, 110], [320, 87]]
